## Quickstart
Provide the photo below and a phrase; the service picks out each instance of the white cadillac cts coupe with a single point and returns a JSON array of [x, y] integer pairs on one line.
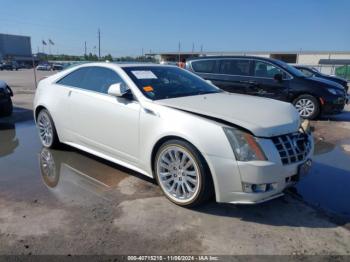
[[169, 124]]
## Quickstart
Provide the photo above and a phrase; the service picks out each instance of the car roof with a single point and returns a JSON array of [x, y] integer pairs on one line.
[[120, 65], [228, 57]]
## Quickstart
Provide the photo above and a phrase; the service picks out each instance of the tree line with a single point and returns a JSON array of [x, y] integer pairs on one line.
[[93, 57]]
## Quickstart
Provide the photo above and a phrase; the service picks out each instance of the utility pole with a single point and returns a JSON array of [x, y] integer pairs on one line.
[[201, 49], [192, 49], [85, 48], [99, 44]]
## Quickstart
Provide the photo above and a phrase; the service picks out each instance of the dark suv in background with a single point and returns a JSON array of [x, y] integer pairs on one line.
[[272, 79]]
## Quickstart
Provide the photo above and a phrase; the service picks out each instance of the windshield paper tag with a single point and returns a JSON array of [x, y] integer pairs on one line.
[[144, 74]]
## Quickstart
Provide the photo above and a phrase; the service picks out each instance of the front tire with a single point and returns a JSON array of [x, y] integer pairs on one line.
[[307, 106], [182, 174], [47, 131]]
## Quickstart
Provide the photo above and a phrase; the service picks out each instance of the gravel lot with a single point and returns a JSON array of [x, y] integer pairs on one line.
[[91, 206]]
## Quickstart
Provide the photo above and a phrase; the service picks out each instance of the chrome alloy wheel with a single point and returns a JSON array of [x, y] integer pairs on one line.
[[305, 107], [178, 174], [45, 129]]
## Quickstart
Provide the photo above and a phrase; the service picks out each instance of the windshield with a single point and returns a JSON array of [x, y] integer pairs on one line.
[[290, 69], [162, 82]]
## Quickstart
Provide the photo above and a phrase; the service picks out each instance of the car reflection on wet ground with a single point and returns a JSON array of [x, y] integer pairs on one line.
[[85, 204], [64, 172]]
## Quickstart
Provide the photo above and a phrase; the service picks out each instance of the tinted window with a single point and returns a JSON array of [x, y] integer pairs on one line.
[[235, 67], [161, 82], [263, 69], [97, 79], [75, 78], [206, 66]]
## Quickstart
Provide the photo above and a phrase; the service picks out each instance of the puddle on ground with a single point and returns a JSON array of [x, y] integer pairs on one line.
[[328, 183], [30, 173]]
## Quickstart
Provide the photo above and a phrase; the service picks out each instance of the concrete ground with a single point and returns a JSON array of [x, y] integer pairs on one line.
[[69, 202]]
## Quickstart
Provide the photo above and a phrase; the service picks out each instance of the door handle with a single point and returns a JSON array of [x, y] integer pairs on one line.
[[69, 93]]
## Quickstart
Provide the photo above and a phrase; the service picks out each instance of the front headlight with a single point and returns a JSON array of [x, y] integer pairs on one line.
[[332, 91], [244, 145]]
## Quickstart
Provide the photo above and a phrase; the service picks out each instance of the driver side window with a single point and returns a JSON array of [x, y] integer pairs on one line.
[[267, 70]]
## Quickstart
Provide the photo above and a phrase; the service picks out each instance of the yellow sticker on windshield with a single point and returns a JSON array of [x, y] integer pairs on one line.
[[148, 88]]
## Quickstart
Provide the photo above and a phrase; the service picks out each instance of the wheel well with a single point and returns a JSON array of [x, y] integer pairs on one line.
[[161, 141], [37, 110], [308, 94]]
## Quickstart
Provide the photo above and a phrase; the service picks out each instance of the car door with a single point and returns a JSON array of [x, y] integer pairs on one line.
[[263, 82], [63, 90], [102, 122]]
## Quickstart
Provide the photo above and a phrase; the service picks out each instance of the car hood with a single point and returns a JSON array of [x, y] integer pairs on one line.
[[261, 116], [325, 82]]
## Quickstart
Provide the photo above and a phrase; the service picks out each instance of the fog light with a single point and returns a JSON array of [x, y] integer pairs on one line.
[[258, 188]]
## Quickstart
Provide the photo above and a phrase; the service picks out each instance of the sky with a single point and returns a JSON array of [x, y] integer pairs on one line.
[[130, 26]]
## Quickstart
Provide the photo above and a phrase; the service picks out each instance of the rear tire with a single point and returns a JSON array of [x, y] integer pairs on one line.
[[47, 130], [182, 174], [308, 106]]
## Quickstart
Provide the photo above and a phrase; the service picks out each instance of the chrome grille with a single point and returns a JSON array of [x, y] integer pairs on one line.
[[292, 148]]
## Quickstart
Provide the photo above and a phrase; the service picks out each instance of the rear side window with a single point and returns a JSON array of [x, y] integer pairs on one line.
[[235, 67], [99, 79], [75, 78], [206, 66]]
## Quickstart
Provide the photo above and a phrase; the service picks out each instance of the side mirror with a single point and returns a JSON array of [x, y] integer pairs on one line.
[[209, 82], [278, 77], [118, 89]]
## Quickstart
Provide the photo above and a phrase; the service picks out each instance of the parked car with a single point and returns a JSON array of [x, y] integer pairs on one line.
[[5, 99], [171, 125], [58, 67], [44, 67], [313, 72], [273, 79], [9, 66]]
